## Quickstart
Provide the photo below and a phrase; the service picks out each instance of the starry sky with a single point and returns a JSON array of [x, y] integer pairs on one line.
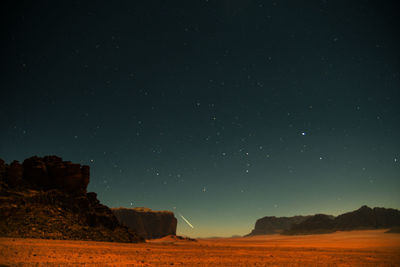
[[221, 111]]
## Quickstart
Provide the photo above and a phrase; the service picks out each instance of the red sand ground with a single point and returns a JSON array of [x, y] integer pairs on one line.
[[355, 248]]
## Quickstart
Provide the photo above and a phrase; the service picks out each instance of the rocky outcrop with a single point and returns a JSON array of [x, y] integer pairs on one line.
[[52, 172], [147, 223], [46, 198], [317, 224], [275, 225], [363, 218], [46, 173]]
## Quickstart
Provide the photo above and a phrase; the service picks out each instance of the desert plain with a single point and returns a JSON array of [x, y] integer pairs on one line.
[[353, 248]]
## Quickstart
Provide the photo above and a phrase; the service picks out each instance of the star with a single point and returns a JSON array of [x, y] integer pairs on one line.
[[303, 133]]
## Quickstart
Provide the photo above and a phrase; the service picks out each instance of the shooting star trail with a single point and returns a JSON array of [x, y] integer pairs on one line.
[[186, 221]]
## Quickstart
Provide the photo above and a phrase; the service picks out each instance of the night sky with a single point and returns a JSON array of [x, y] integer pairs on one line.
[[221, 111]]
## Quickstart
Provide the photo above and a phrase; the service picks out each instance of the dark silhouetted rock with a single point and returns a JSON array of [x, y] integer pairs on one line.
[[46, 198], [147, 223], [367, 218], [13, 174], [275, 225], [52, 172], [317, 224], [361, 219], [2, 170]]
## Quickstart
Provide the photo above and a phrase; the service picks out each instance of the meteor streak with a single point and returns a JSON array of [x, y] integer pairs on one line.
[[186, 221]]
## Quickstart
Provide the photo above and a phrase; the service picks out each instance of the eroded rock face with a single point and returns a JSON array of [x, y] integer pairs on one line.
[[147, 223], [275, 225], [368, 218], [46, 198], [52, 172], [316, 224], [361, 219]]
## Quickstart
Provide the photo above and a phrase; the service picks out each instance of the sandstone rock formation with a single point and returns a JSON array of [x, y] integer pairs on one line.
[[46, 198], [52, 172], [147, 223], [317, 224], [275, 225], [363, 218]]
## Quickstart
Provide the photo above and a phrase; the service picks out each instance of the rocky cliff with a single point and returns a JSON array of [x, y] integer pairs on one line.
[[47, 198], [317, 224], [363, 218], [275, 225], [147, 223]]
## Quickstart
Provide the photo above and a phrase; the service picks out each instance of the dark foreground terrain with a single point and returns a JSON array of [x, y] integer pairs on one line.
[[353, 248]]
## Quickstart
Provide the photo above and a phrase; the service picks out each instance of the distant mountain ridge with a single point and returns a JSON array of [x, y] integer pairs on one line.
[[362, 218]]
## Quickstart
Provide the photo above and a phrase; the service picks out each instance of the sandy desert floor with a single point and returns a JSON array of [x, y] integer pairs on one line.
[[356, 248]]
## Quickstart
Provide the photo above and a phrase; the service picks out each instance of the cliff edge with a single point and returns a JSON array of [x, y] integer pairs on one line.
[[47, 198]]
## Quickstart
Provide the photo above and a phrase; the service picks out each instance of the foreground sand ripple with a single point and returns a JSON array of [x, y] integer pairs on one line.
[[355, 248]]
